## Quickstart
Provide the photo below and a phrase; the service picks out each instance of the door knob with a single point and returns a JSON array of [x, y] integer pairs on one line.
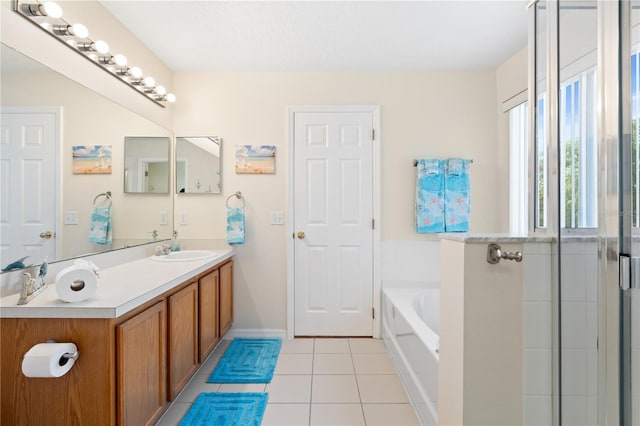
[[300, 235], [47, 234]]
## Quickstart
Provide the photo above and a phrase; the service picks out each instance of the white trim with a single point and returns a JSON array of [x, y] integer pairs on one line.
[[515, 100], [255, 333], [377, 193], [57, 112]]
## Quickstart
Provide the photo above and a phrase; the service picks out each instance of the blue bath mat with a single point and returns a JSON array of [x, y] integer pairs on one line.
[[247, 361], [226, 409]]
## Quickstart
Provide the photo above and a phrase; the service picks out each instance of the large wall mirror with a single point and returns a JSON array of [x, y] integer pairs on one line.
[[198, 165], [56, 117]]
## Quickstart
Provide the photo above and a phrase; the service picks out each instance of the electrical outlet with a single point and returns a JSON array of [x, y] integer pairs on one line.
[[277, 218], [71, 217], [184, 218]]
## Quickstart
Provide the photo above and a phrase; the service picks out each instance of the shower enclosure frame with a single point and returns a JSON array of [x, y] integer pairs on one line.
[[613, 233]]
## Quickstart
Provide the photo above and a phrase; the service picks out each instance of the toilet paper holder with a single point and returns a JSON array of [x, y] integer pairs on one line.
[[67, 356]]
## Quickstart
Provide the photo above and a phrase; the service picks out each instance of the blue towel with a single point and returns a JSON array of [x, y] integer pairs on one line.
[[430, 196], [457, 198], [100, 227], [235, 225]]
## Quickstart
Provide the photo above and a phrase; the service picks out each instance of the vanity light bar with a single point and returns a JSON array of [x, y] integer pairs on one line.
[[48, 16]]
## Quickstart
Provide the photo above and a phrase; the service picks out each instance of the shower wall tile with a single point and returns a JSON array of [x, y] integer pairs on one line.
[[537, 372], [536, 410], [537, 325]]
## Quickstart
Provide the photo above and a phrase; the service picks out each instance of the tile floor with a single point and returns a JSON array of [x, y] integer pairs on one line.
[[317, 382]]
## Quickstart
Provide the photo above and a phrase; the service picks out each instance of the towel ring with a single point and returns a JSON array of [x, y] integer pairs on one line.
[[107, 195], [238, 195]]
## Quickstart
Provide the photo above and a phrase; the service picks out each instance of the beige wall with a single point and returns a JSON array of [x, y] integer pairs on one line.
[[423, 114]]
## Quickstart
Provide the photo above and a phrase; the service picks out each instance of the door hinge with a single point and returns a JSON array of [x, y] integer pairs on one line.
[[373, 135], [373, 224], [373, 313]]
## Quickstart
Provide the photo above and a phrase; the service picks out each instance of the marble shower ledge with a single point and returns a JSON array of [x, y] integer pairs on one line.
[[122, 288], [495, 238]]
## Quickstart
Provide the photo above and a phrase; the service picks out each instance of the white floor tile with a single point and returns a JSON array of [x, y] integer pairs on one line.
[[222, 347], [332, 364], [209, 364], [336, 415], [381, 389], [367, 346], [373, 364], [297, 346], [390, 415], [286, 415], [332, 346], [294, 364], [194, 389], [289, 389], [174, 414], [242, 387], [339, 389]]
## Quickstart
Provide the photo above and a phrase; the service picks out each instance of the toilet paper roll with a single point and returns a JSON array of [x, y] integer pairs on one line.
[[47, 360], [76, 283]]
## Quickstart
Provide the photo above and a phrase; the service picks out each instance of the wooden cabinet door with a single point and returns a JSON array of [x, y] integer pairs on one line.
[[226, 297], [183, 337], [208, 287], [142, 367]]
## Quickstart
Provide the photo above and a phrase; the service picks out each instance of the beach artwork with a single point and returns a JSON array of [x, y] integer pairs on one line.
[[91, 159], [255, 159]]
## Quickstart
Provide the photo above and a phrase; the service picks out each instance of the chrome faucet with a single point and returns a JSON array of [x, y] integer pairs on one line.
[[162, 250], [154, 235]]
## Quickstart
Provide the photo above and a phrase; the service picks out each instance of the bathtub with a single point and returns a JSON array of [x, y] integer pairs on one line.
[[410, 328]]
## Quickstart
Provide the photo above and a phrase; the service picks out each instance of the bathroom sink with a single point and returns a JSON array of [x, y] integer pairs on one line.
[[187, 255]]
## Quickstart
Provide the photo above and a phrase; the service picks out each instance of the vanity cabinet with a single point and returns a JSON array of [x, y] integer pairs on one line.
[[226, 297], [208, 311], [141, 365], [183, 337], [130, 366]]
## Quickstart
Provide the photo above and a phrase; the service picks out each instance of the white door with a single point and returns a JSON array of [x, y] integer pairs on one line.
[[28, 147], [333, 214]]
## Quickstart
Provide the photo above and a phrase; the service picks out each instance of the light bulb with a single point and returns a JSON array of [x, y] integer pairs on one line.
[[120, 60], [52, 9], [80, 31], [149, 81], [101, 46], [135, 72], [160, 90], [171, 98]]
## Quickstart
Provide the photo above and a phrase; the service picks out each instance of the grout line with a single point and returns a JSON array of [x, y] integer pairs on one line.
[[313, 354]]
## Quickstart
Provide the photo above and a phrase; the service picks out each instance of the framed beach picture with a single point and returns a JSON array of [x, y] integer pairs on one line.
[[91, 159], [256, 159]]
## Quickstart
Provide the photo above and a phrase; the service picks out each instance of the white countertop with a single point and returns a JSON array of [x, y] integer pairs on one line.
[[494, 238], [122, 288]]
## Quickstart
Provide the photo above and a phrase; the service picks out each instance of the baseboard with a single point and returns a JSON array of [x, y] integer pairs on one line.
[[255, 333]]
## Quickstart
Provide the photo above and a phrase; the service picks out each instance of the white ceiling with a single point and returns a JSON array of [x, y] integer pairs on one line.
[[326, 35]]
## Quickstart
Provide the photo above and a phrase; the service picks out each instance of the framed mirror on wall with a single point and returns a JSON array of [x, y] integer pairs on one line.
[[197, 165], [146, 165]]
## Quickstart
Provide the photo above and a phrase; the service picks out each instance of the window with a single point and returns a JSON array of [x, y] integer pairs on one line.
[[578, 152], [518, 194]]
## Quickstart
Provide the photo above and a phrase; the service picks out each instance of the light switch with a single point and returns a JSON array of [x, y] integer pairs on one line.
[[163, 218], [71, 217], [277, 218]]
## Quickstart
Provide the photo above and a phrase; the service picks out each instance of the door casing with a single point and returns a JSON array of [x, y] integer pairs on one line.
[[375, 111]]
